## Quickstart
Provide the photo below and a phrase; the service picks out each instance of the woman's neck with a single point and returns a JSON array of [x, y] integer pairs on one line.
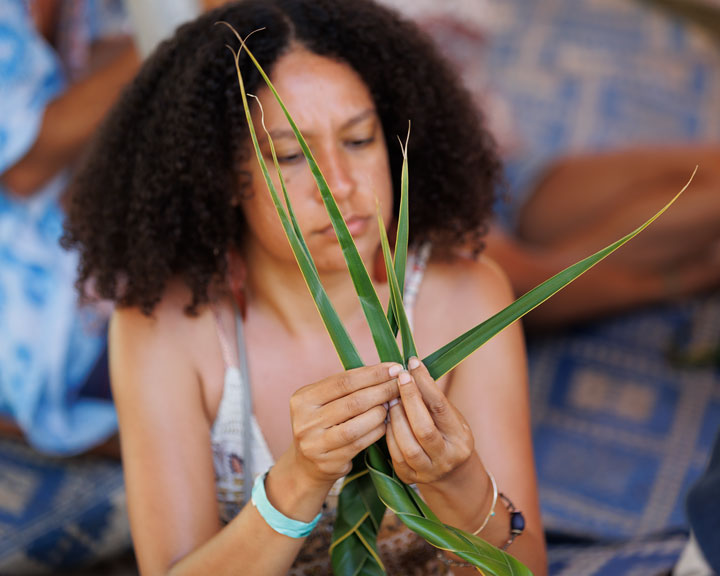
[[277, 287]]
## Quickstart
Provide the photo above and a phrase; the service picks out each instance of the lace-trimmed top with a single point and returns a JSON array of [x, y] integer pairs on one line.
[[240, 452]]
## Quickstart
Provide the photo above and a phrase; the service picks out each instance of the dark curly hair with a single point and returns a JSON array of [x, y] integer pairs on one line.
[[154, 198]]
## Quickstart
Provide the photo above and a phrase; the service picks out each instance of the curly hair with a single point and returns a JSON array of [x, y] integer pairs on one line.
[[154, 198]]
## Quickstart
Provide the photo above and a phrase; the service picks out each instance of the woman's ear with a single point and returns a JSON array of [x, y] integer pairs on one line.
[[243, 189]]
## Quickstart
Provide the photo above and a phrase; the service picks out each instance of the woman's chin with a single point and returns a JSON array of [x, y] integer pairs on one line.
[[333, 261]]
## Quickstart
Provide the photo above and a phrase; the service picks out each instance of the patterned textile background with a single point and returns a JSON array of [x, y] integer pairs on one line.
[[58, 514]]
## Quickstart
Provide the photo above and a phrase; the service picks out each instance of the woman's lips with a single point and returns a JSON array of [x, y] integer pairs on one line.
[[357, 225]]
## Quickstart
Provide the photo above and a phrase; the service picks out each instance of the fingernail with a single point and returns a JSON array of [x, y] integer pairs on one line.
[[414, 363], [395, 369], [394, 402], [404, 378]]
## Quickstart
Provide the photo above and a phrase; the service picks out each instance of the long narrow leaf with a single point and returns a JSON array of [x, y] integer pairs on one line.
[[288, 204], [396, 299], [403, 232], [344, 346], [472, 549], [450, 355], [382, 334], [354, 551]]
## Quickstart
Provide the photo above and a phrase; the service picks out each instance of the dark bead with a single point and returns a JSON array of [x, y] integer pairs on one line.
[[517, 523]]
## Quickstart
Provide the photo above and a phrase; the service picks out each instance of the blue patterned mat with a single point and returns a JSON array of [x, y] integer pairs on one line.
[[621, 430], [638, 558], [58, 514]]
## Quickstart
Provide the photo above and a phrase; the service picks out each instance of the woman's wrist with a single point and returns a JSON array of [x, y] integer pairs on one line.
[[293, 492], [464, 496]]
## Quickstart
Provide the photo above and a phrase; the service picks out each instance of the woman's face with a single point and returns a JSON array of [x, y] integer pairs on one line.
[[336, 114]]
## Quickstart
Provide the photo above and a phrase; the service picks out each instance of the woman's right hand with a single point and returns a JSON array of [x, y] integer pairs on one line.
[[338, 417]]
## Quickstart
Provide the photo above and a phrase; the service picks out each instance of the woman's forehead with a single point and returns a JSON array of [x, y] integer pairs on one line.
[[316, 90]]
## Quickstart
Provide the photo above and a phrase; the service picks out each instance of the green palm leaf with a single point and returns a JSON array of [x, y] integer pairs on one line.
[[415, 514], [349, 356], [382, 334], [396, 298], [402, 234], [450, 355]]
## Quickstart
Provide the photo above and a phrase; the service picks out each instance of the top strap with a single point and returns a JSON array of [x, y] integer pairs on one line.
[[414, 279], [247, 407], [224, 339]]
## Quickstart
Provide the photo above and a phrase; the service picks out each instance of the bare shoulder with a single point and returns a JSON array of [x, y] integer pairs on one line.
[[455, 296], [167, 316], [467, 287], [163, 347]]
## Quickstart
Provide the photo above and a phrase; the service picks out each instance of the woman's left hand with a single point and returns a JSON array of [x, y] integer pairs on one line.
[[427, 436]]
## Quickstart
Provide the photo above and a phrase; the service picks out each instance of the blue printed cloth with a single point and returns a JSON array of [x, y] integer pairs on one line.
[[579, 76], [48, 342], [59, 514]]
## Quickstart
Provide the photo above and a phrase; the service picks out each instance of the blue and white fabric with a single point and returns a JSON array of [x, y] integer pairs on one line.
[[48, 342]]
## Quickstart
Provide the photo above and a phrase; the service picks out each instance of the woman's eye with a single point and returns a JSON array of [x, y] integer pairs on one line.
[[290, 158], [360, 142]]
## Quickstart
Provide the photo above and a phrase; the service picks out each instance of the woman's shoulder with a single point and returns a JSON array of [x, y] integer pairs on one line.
[[170, 329], [168, 351], [463, 283], [456, 295]]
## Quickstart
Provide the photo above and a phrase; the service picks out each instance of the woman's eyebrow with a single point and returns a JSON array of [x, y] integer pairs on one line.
[[288, 133], [359, 117]]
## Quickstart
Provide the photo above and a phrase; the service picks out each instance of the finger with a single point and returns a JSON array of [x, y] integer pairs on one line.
[[419, 418], [406, 474], [446, 418], [339, 462], [350, 381], [411, 450], [349, 432], [347, 407]]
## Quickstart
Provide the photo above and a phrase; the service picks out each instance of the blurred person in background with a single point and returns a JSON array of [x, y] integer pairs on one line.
[[602, 110], [62, 65]]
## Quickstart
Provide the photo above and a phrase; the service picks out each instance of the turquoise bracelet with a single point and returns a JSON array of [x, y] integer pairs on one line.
[[276, 519]]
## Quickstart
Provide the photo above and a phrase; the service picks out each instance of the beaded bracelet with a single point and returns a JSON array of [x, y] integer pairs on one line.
[[517, 521], [276, 519]]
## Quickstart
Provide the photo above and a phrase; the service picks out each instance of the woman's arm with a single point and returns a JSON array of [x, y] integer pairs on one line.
[[448, 443], [167, 458], [69, 123]]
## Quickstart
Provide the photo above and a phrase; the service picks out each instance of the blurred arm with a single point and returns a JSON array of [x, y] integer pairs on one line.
[[70, 121]]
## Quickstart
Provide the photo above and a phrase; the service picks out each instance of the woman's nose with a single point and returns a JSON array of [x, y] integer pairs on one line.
[[335, 167]]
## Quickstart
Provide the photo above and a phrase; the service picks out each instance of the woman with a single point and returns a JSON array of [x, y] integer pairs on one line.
[[172, 218]]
